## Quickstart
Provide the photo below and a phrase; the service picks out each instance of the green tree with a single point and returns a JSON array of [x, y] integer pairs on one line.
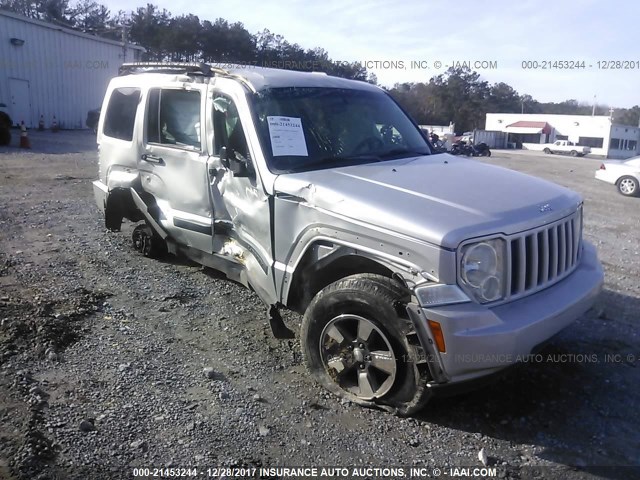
[[90, 17], [54, 11], [182, 37], [149, 28], [529, 105], [458, 95], [503, 98], [628, 116]]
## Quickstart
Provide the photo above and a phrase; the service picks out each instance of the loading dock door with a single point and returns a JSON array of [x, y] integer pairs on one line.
[[20, 101]]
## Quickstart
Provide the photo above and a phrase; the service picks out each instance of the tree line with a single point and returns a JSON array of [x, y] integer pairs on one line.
[[459, 95], [185, 38]]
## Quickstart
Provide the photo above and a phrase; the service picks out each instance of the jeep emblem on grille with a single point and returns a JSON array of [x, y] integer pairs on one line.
[[545, 208]]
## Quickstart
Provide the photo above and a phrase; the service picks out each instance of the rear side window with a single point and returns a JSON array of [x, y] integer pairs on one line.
[[173, 118], [121, 113]]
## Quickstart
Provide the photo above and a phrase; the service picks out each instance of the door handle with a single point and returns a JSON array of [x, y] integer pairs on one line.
[[147, 157]]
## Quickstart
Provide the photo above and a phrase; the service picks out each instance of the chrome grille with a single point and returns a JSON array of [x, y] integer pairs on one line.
[[543, 256]]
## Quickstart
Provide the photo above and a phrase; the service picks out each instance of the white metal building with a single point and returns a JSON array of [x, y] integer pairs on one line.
[[532, 131], [52, 71]]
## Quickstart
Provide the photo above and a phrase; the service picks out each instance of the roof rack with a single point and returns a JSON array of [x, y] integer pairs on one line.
[[193, 68]]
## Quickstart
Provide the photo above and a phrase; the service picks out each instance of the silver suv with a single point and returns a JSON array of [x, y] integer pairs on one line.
[[414, 272]]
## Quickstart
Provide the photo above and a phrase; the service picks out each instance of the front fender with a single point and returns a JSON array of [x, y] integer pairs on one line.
[[300, 227]]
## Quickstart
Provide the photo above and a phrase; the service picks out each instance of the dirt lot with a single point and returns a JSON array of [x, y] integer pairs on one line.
[[110, 361]]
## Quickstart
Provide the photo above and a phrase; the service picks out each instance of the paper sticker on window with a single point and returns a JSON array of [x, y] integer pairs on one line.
[[287, 137]]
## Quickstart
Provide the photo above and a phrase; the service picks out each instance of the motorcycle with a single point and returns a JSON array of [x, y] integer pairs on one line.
[[481, 150], [437, 145], [462, 148], [470, 150]]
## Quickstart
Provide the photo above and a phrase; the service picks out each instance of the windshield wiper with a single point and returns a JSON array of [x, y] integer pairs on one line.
[[335, 161], [401, 151], [328, 162]]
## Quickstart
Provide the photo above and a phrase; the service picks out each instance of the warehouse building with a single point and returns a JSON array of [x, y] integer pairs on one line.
[[532, 131], [52, 71]]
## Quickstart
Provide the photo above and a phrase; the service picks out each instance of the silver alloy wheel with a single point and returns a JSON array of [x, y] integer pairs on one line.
[[627, 186], [358, 356]]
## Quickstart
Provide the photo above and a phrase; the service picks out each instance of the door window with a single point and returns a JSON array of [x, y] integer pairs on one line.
[[173, 118], [227, 128], [121, 113]]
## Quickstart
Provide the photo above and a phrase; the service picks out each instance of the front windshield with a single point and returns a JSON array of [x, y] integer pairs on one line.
[[310, 128]]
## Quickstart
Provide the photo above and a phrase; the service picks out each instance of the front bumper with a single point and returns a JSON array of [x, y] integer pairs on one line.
[[482, 340]]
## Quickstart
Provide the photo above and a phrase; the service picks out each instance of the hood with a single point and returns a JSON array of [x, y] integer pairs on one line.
[[442, 199]]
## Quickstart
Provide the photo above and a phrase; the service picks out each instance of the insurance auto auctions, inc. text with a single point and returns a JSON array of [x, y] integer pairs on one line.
[[375, 472]]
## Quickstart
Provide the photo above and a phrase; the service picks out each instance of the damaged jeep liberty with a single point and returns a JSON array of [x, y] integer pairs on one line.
[[414, 272]]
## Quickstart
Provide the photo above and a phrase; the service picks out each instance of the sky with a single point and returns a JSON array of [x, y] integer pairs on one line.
[[583, 36]]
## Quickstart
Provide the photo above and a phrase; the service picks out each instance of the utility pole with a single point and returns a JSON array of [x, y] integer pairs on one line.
[[593, 110], [124, 42], [124, 21]]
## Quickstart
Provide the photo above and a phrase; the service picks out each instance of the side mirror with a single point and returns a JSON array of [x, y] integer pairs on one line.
[[238, 166], [224, 157]]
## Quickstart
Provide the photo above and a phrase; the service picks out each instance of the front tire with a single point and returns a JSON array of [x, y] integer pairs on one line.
[[354, 342], [629, 187]]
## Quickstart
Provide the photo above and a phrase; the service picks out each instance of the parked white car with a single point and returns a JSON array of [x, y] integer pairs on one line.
[[624, 174]]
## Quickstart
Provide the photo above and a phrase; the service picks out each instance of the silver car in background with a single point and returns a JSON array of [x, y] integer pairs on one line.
[[414, 272]]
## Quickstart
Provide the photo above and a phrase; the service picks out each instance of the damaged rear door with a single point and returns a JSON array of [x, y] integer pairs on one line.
[[173, 163]]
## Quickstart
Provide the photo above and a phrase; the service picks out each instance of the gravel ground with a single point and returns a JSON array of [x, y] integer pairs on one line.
[[110, 361]]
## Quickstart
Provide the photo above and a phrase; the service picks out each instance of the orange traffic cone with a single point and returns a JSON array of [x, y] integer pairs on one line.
[[54, 125], [24, 139], [41, 124]]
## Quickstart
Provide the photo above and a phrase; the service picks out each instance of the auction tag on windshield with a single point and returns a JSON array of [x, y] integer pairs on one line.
[[287, 137]]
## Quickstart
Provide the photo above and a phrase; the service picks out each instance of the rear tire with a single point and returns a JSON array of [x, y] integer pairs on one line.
[[5, 129], [354, 342], [574, 153], [547, 151], [112, 220], [5, 136], [629, 186]]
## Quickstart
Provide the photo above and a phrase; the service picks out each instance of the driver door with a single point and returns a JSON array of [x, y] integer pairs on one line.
[[242, 207]]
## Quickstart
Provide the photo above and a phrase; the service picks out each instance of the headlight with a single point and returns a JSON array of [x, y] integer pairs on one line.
[[482, 269]]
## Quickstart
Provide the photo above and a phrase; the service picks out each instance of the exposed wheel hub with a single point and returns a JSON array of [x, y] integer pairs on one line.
[[147, 243], [358, 356]]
